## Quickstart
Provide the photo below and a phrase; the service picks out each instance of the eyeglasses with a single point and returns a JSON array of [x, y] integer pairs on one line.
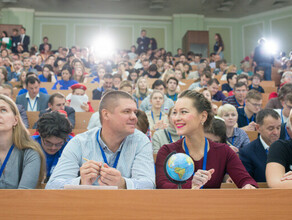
[[241, 91], [256, 105], [49, 144]]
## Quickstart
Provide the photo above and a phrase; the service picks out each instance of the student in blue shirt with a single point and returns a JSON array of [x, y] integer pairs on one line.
[[66, 80], [48, 74], [54, 129], [247, 114]]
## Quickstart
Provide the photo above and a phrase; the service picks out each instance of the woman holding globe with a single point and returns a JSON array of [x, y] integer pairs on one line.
[[191, 114]]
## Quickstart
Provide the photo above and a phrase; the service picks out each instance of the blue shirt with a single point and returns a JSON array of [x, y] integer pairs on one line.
[[239, 138], [51, 160], [64, 84], [44, 79], [136, 162], [243, 120], [23, 91]]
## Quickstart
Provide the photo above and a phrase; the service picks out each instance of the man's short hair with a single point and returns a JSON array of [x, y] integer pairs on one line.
[[240, 84], [32, 80], [56, 95], [117, 76], [23, 28], [207, 74], [54, 124], [254, 94], [172, 78], [125, 83], [214, 80], [256, 75], [158, 82], [284, 90], [108, 76], [110, 99], [7, 86], [230, 76], [262, 114], [242, 76], [288, 98], [45, 38]]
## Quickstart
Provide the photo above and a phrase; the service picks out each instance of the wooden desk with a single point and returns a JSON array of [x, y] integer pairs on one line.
[[146, 204]]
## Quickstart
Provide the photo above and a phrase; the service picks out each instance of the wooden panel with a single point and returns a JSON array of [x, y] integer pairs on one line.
[[265, 99], [270, 89], [82, 119], [268, 83], [95, 104], [146, 204], [233, 186], [252, 135], [33, 117]]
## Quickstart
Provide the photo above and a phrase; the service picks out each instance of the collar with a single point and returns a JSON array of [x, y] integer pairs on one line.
[[236, 132], [104, 147], [264, 143], [27, 96]]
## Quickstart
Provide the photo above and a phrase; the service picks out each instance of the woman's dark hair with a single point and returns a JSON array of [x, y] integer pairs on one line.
[[142, 122], [50, 69], [218, 128], [200, 103], [54, 124], [67, 67], [5, 33], [220, 41]]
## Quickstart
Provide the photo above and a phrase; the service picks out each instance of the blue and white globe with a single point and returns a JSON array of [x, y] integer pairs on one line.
[[180, 167]]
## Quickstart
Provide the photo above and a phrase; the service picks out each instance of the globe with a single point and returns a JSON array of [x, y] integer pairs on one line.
[[180, 167]]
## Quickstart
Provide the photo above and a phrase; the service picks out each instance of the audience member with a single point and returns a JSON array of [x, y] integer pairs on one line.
[[45, 42], [66, 80], [143, 42], [48, 74], [231, 81], [107, 84], [57, 102], [171, 87], [287, 106], [191, 114], [33, 100], [278, 170], [254, 155], [238, 99], [7, 90], [24, 39], [116, 155], [168, 103], [275, 103], [54, 129], [247, 114], [235, 136], [78, 90], [157, 119], [165, 136], [213, 87], [255, 83], [204, 79], [22, 158]]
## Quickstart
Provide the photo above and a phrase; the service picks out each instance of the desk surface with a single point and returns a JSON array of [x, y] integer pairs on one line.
[[146, 204]]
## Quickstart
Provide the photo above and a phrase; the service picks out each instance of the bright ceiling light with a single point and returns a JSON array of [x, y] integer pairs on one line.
[[104, 46]]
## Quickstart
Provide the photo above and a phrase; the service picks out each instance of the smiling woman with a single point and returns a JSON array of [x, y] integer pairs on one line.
[[192, 114], [21, 159]]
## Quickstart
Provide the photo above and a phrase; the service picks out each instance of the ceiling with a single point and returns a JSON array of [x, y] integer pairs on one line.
[[208, 8]]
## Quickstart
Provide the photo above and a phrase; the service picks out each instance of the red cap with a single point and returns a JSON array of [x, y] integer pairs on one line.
[[79, 86], [63, 112]]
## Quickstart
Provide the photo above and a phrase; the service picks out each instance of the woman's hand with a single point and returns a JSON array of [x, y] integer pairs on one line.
[[201, 177], [235, 149], [248, 186], [85, 107]]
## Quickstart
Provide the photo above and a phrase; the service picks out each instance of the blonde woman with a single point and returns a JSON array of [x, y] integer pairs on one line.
[[22, 159], [235, 136], [142, 89]]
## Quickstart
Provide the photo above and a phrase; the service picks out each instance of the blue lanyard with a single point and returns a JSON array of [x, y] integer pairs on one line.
[[238, 105], [153, 116], [6, 160], [32, 107], [282, 119], [247, 120], [232, 143], [287, 136], [104, 156], [205, 153], [171, 138]]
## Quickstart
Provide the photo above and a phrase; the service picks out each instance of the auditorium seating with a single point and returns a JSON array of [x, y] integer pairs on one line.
[[82, 119], [33, 117]]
